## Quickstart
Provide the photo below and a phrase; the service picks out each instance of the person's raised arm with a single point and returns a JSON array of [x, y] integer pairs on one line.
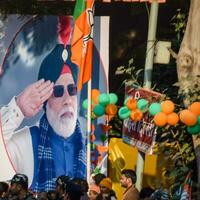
[[27, 104]]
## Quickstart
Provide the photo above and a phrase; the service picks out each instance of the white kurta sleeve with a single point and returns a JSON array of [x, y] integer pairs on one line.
[[11, 118], [18, 143]]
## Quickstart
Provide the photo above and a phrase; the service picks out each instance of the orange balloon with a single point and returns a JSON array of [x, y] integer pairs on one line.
[[167, 107], [195, 108], [160, 119], [111, 109], [136, 115], [172, 119], [95, 95], [188, 117], [131, 104]]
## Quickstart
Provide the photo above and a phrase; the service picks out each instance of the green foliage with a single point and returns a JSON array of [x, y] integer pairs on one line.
[[177, 147], [131, 73], [179, 21]]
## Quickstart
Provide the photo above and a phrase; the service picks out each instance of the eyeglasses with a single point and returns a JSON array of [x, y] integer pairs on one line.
[[58, 90]]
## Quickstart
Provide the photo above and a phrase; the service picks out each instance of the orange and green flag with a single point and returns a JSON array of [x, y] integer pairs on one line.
[[82, 39]]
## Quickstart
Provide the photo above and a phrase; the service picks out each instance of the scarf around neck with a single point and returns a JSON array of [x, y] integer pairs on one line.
[[46, 175]]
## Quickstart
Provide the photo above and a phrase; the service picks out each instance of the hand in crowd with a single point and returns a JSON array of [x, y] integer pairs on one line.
[[31, 100]]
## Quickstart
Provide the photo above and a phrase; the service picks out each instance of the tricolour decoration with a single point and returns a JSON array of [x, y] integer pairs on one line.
[[136, 108]]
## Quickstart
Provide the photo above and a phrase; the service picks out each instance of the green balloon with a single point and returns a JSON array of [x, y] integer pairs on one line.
[[125, 101], [124, 112], [198, 120], [99, 110], [194, 129], [142, 104], [104, 99], [85, 104], [154, 108], [113, 98]]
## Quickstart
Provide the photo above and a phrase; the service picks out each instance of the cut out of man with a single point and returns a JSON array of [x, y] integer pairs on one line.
[[56, 146]]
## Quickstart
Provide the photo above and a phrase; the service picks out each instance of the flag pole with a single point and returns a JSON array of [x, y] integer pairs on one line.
[[89, 111], [89, 88], [147, 78]]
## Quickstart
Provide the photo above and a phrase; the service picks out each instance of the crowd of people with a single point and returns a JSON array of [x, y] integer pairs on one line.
[[99, 188]]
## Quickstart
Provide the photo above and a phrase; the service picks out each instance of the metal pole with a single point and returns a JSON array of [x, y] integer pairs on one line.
[[147, 77], [89, 85], [89, 89]]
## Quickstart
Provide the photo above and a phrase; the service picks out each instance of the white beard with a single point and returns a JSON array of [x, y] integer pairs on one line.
[[62, 125]]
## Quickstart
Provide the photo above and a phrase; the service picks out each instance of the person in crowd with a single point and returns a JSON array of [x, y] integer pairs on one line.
[[3, 190], [19, 188], [42, 196], [98, 178], [106, 189], [128, 180], [145, 193], [84, 187], [52, 195], [160, 194], [61, 183], [72, 191], [57, 145], [94, 192]]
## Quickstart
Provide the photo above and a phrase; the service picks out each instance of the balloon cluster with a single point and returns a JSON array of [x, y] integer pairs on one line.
[[162, 113], [166, 115], [133, 109], [191, 118], [102, 103]]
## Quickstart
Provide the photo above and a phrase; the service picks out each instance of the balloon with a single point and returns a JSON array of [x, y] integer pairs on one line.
[[195, 108], [194, 129], [125, 101], [131, 104], [160, 119], [111, 109], [113, 98], [136, 115], [142, 104], [104, 99], [198, 120], [167, 107], [124, 112], [99, 110], [85, 104], [172, 119], [188, 118], [154, 108]]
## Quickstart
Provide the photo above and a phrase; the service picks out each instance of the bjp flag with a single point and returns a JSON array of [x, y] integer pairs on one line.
[[82, 39]]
